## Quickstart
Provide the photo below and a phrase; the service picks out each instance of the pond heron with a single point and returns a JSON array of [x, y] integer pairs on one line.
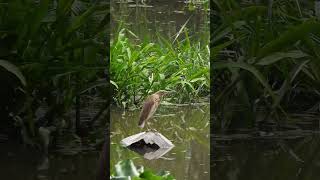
[[150, 106]]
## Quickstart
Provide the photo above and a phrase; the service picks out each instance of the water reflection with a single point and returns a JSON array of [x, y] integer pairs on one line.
[[268, 159], [187, 129], [21, 163], [165, 17]]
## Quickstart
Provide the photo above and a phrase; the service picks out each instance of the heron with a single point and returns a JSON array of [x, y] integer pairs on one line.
[[150, 106]]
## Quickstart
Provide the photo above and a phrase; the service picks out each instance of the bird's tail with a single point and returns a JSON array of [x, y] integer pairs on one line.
[[141, 124]]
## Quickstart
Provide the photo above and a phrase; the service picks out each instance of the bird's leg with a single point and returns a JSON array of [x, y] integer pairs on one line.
[[154, 129], [148, 127], [151, 129]]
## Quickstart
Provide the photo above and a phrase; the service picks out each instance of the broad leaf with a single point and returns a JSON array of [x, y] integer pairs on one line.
[[248, 67], [295, 54], [14, 70]]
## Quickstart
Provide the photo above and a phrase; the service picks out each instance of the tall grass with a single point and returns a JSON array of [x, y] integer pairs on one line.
[[140, 68], [58, 50], [262, 54]]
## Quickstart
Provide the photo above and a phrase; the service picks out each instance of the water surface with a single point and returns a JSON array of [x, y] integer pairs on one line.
[[186, 127], [163, 17], [293, 155], [21, 163]]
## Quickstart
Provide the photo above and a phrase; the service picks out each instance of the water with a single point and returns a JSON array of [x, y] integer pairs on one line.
[[164, 17], [21, 163], [69, 157], [186, 127], [289, 155]]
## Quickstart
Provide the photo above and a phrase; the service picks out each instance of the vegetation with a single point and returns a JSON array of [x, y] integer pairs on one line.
[[126, 169], [150, 54], [51, 52], [264, 55], [139, 68]]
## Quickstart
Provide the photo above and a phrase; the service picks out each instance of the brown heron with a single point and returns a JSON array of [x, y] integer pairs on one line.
[[150, 106]]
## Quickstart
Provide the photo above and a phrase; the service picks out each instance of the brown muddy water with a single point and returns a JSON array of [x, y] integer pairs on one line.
[[186, 127]]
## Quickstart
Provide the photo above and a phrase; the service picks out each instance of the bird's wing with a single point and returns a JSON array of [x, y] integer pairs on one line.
[[146, 110]]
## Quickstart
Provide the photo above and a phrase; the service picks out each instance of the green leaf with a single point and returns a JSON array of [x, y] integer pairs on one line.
[[37, 17], [251, 12], [64, 6], [287, 83], [198, 79], [126, 168], [247, 67], [295, 54], [115, 84], [14, 70], [80, 20], [166, 175], [162, 76], [121, 178], [189, 84], [93, 85], [290, 37], [216, 49], [148, 175]]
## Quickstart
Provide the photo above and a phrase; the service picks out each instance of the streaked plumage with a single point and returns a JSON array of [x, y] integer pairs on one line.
[[150, 106]]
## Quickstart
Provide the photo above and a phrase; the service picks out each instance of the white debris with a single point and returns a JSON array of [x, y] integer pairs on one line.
[[149, 138]]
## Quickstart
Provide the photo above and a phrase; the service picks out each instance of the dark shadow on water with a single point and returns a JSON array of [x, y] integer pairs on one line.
[[141, 147]]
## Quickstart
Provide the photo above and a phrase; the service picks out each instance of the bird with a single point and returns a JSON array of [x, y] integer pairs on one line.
[[150, 106]]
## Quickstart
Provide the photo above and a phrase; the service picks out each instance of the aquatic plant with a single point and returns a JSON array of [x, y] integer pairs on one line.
[[60, 48], [263, 55], [139, 68], [126, 169]]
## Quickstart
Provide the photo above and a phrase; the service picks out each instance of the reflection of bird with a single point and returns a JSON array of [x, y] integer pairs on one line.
[[150, 106]]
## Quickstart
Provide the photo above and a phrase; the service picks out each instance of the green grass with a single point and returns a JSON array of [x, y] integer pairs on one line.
[[139, 68]]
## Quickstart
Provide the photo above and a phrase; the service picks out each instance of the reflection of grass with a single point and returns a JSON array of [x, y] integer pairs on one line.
[[141, 68]]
